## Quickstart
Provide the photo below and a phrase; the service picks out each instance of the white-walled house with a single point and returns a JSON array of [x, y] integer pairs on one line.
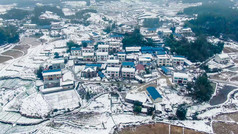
[[88, 57], [144, 60], [54, 64], [103, 48], [128, 72], [113, 72], [164, 60], [113, 63], [76, 52], [222, 58], [178, 60], [121, 56], [180, 78], [51, 78], [67, 81], [102, 56]]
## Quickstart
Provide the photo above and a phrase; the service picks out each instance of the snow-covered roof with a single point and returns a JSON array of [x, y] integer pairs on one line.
[[113, 61], [102, 53], [132, 49], [51, 72], [128, 69], [180, 75], [114, 69], [88, 54], [57, 61], [144, 59], [103, 46], [223, 56], [165, 56], [141, 97]]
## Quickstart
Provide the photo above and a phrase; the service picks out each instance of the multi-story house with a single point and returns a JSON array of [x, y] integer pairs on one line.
[[103, 48], [113, 63], [128, 64], [113, 72], [128, 72], [115, 46], [121, 56], [51, 78], [76, 51], [164, 60], [87, 50], [178, 60], [89, 72], [144, 60], [55, 64], [180, 78], [102, 56], [88, 57]]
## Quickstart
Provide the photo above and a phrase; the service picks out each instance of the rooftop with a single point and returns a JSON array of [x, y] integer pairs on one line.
[[114, 69], [51, 72], [128, 64], [153, 93]]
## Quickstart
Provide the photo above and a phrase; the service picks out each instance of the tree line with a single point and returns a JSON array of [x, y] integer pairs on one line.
[[196, 51]]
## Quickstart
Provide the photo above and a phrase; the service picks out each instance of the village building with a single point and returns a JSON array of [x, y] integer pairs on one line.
[[113, 72], [133, 49], [222, 58], [154, 94], [178, 60], [89, 72], [55, 64], [128, 64], [140, 69], [103, 48], [117, 37], [128, 72], [76, 52], [164, 60], [180, 78], [67, 81], [166, 70], [51, 78], [88, 56], [121, 56], [102, 56], [113, 63], [144, 60]]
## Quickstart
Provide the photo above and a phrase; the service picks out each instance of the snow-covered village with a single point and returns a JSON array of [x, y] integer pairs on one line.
[[118, 67]]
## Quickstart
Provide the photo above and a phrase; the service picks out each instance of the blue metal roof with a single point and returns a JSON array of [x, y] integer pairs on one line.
[[94, 33], [93, 65], [153, 93], [152, 49], [151, 29], [76, 48], [116, 36], [166, 70], [87, 41], [121, 53], [101, 74], [44, 27], [179, 56], [50, 71], [176, 34], [128, 64], [161, 52]]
